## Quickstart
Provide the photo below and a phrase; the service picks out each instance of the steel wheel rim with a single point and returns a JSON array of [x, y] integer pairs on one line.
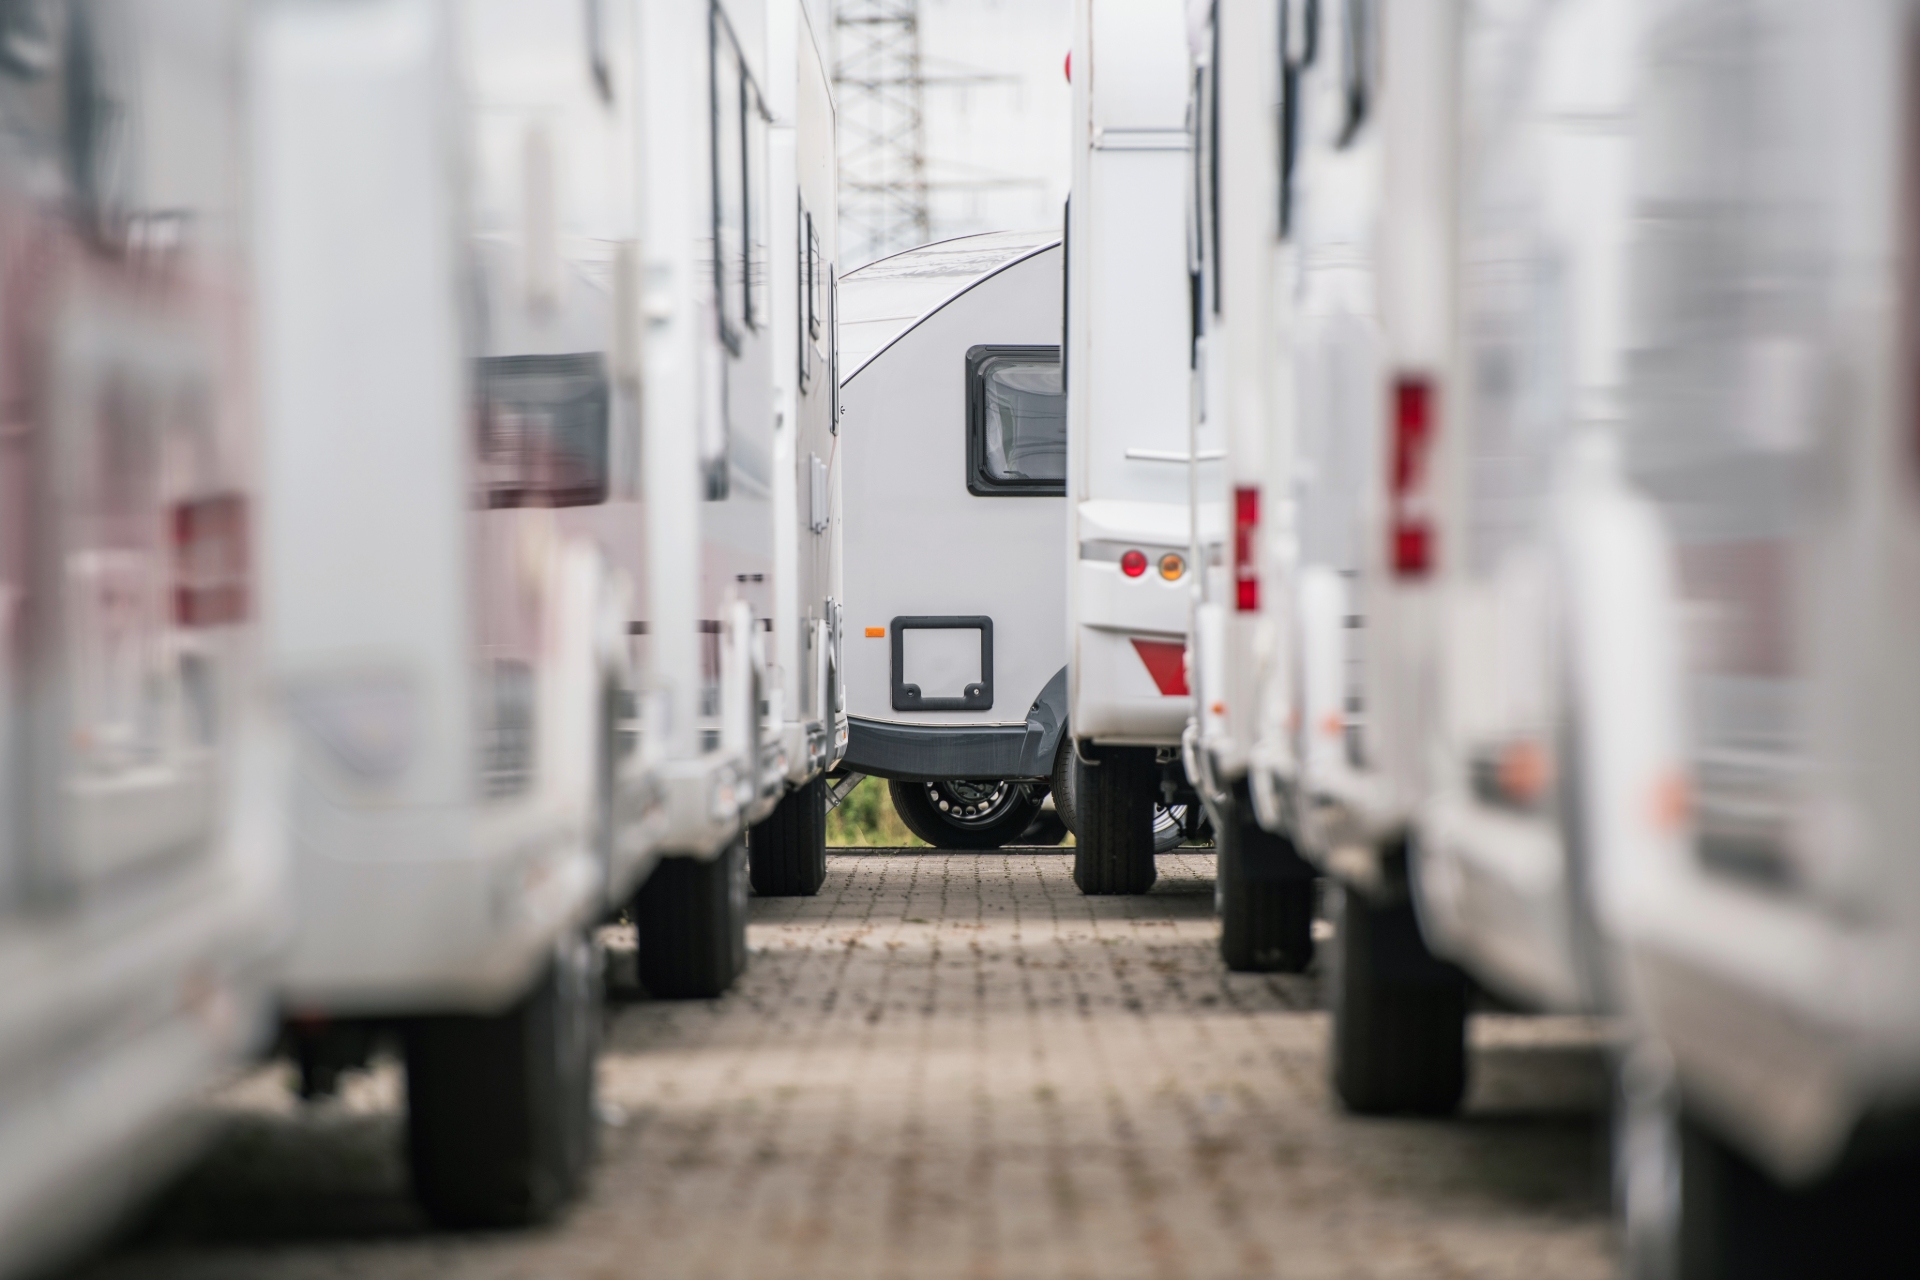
[[972, 805]]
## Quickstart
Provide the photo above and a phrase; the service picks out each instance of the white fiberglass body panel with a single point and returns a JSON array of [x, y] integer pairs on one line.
[[1546, 101], [707, 388], [806, 712], [954, 338], [1314, 513], [441, 390], [143, 899], [1129, 356], [1245, 238], [1772, 941]]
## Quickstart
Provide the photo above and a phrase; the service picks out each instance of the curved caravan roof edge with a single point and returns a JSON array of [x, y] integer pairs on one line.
[[892, 296]]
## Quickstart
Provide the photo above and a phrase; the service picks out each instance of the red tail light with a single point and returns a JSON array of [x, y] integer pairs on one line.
[[210, 560], [1409, 504], [1246, 549]]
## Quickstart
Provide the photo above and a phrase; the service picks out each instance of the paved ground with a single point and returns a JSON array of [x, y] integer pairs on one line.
[[955, 1065]]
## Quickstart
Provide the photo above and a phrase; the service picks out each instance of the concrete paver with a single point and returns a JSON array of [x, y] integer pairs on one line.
[[955, 1065]]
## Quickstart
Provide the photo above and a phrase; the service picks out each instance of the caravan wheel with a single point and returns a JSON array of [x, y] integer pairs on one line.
[[500, 1111], [1399, 1012], [1264, 890], [787, 854], [692, 921], [962, 814], [1114, 806]]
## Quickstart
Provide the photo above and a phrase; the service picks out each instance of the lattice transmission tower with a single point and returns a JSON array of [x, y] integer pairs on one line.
[[880, 89]]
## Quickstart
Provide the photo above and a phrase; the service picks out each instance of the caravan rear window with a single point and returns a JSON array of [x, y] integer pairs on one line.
[[1016, 422]]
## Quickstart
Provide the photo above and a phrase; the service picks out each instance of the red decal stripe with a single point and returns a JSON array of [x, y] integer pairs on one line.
[[1167, 663]]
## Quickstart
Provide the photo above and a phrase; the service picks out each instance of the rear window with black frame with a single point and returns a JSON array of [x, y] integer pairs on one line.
[[1016, 422]]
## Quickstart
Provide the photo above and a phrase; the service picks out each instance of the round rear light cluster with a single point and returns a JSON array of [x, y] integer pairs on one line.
[[1171, 565]]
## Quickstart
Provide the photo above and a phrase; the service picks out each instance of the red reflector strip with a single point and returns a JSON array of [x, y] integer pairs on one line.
[[1246, 550], [1410, 539], [1166, 662]]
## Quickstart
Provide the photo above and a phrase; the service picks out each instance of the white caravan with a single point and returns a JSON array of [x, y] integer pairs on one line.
[[806, 708], [1502, 226], [445, 232], [1638, 672], [1307, 733], [740, 620], [142, 887], [955, 420], [1260, 250], [1129, 422], [1748, 750]]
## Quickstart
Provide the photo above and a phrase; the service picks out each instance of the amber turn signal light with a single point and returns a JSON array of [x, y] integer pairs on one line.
[[1172, 566]]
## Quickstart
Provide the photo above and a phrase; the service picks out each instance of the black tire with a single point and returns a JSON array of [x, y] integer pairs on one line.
[[1114, 802], [1399, 1013], [1064, 769], [787, 854], [500, 1109], [1693, 1208], [1008, 808], [692, 921], [1265, 896]]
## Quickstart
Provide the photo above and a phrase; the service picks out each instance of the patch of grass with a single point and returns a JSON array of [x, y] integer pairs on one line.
[[866, 819]]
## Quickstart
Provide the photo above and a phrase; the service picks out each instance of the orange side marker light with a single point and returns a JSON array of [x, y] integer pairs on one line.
[[876, 633], [1672, 802]]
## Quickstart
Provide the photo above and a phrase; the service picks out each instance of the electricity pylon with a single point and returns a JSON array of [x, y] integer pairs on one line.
[[880, 90]]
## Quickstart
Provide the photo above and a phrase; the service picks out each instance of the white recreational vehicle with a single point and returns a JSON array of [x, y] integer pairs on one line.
[[1635, 679], [954, 416], [1259, 250], [445, 231], [1502, 222], [528, 642], [787, 850], [740, 620], [142, 888], [1129, 411], [1748, 751]]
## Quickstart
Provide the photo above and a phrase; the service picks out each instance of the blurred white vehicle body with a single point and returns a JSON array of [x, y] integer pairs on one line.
[[1637, 675], [1483, 555], [142, 885], [1129, 411], [445, 218], [1768, 924], [955, 417]]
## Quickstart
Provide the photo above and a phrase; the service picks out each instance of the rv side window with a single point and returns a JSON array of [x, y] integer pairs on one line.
[[1356, 66], [813, 280], [804, 347], [543, 430], [758, 258], [729, 182], [1016, 422]]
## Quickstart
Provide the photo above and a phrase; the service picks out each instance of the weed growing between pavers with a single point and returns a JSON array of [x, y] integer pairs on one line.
[[865, 819]]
